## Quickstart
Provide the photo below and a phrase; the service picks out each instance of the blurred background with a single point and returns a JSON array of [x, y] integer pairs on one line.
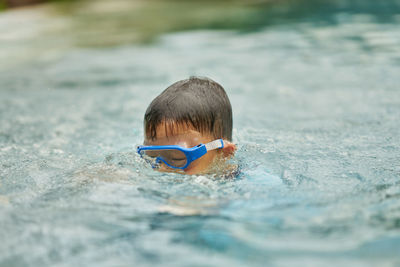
[[55, 25]]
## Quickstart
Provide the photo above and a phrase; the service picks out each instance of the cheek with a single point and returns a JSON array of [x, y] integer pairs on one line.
[[201, 164], [209, 157]]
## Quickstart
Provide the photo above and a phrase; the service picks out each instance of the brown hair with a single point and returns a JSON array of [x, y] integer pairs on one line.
[[196, 102]]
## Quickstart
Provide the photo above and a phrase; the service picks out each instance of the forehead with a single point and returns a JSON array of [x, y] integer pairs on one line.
[[177, 134]]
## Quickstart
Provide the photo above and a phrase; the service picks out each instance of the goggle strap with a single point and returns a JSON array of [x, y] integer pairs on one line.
[[215, 144]]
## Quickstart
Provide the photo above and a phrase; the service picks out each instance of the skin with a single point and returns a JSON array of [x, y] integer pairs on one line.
[[186, 136]]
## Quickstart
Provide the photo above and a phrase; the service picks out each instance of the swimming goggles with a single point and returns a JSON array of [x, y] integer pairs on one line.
[[174, 156]]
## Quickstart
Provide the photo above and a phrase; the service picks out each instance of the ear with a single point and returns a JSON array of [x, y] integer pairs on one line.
[[229, 149]]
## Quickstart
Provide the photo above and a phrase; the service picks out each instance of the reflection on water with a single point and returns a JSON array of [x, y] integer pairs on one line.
[[316, 108]]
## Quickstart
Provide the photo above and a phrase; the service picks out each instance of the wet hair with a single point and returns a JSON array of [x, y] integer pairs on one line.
[[199, 103]]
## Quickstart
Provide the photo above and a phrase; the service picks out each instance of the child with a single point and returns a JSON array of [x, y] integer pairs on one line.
[[188, 128]]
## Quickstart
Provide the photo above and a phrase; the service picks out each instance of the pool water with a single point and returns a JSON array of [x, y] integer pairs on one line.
[[316, 120]]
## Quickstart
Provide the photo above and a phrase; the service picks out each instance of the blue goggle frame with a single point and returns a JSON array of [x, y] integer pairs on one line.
[[191, 154]]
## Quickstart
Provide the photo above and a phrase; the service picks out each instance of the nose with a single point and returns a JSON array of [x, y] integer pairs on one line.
[[162, 167]]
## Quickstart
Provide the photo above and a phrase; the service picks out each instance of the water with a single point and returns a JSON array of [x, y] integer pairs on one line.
[[316, 120]]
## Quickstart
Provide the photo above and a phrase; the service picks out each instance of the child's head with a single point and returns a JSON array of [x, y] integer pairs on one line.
[[188, 113]]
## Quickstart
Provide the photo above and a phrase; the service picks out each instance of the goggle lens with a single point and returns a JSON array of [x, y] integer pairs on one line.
[[172, 157]]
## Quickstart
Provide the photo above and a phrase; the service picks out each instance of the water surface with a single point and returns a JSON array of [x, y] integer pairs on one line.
[[316, 121]]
